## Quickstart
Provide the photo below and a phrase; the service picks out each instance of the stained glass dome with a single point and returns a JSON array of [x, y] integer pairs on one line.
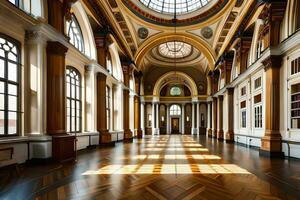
[[169, 6], [175, 49]]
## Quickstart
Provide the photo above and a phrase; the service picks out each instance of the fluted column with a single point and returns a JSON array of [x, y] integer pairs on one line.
[[220, 134], [183, 119]]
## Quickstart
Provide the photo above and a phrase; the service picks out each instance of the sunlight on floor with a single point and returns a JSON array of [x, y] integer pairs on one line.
[[169, 169], [168, 155]]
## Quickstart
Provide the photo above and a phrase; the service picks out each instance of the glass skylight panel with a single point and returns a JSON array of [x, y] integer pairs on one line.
[[175, 49], [169, 6]]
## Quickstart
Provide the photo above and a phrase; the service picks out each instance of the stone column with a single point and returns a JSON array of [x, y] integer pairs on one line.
[[157, 119], [168, 119], [105, 136], [142, 114], [193, 118], [183, 119], [214, 117], [209, 119], [220, 134], [198, 118], [34, 83], [137, 117], [229, 137], [271, 143], [90, 98], [153, 118]]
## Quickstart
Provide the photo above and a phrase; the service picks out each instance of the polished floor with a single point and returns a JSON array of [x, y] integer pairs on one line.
[[161, 167]]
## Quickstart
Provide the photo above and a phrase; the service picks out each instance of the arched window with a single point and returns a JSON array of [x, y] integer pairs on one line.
[[109, 64], [73, 100], [75, 34], [10, 68], [175, 110]]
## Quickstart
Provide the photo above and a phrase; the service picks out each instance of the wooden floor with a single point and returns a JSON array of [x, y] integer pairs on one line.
[[161, 167]]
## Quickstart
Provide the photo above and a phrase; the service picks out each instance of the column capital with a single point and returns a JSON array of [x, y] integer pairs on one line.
[[272, 62], [36, 37]]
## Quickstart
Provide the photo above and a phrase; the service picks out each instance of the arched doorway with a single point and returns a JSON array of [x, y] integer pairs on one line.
[[175, 115]]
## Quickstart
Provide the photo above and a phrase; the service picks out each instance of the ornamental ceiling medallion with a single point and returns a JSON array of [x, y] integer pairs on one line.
[[207, 32], [143, 33]]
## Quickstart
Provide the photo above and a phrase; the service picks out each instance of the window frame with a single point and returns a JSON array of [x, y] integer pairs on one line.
[[18, 84], [174, 112], [76, 99], [74, 20]]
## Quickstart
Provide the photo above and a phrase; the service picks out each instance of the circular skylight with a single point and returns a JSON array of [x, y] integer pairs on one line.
[[169, 6], [175, 49]]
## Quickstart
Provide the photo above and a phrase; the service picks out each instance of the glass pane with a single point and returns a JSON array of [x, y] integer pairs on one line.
[[12, 89], [68, 90], [2, 87], [12, 103], [78, 124], [12, 72], [73, 124], [1, 122], [2, 68], [68, 124], [2, 101], [12, 57], [12, 123]]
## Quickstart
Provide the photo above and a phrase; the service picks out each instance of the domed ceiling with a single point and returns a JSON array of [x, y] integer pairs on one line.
[[175, 6], [163, 12]]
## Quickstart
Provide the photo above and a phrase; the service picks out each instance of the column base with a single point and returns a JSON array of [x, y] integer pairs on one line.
[[214, 133], [128, 136], [229, 137], [156, 131], [271, 145], [209, 132], [63, 148], [220, 135], [139, 134], [194, 131], [105, 139]]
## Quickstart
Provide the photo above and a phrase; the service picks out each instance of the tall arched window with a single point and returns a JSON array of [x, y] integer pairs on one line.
[[10, 68], [73, 100], [108, 107], [75, 34], [175, 110]]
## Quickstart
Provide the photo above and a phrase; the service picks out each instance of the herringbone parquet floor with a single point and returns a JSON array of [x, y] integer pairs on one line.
[[162, 167]]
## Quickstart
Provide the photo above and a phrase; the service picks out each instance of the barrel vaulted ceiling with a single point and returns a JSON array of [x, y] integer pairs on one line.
[[142, 29]]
